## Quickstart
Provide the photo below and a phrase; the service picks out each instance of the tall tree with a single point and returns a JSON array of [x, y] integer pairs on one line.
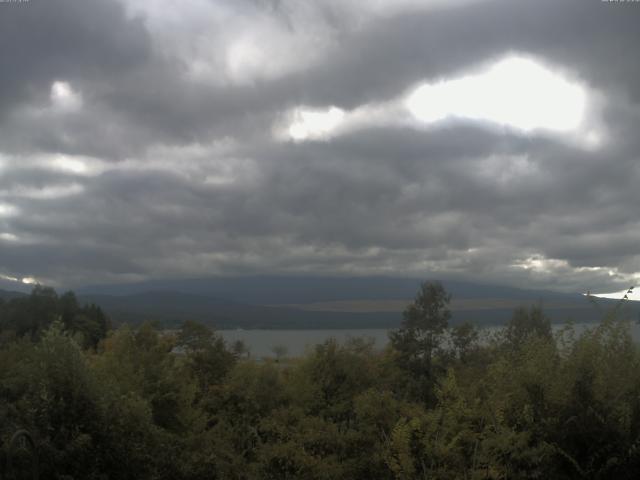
[[420, 335], [526, 324]]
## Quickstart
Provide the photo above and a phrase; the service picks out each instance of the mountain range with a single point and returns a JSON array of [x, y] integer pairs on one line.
[[298, 302]]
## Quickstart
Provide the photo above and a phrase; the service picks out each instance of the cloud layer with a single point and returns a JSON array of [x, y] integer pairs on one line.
[[140, 140]]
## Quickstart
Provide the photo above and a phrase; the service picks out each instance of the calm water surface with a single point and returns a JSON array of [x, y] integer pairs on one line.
[[297, 342]]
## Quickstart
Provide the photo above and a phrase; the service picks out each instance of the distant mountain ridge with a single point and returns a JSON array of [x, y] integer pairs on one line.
[[278, 290], [319, 302], [9, 294], [296, 302]]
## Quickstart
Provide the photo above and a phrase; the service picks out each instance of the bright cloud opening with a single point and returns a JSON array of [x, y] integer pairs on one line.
[[49, 192], [515, 92], [8, 237], [74, 164], [7, 210], [542, 264], [64, 98], [315, 124], [244, 59], [634, 295], [70, 164], [24, 280], [8, 277]]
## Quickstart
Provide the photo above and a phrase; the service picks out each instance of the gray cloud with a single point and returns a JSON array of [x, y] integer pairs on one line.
[[168, 164], [44, 40]]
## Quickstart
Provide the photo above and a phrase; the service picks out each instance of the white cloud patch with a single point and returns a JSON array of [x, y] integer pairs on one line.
[[264, 45], [7, 210], [70, 164], [64, 98], [634, 295], [268, 48], [308, 124], [8, 237], [560, 271], [238, 43], [48, 192], [9, 278], [541, 264], [515, 92], [143, 148], [305, 123]]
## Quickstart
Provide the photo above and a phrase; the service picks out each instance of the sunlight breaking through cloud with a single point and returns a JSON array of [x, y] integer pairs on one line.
[[515, 92], [24, 280], [541, 264], [311, 124], [8, 237], [634, 295], [48, 192], [7, 210], [64, 97], [8, 278], [141, 142]]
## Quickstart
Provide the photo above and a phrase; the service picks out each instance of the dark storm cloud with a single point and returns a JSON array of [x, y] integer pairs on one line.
[[153, 170], [592, 38], [46, 39]]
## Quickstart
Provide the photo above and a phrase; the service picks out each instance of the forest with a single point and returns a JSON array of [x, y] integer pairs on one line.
[[440, 401]]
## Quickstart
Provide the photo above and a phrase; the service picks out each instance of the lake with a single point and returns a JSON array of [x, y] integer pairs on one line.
[[297, 342], [261, 342]]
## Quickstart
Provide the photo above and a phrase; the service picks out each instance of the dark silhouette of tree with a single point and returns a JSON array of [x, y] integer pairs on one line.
[[526, 324], [208, 358], [420, 336], [464, 339]]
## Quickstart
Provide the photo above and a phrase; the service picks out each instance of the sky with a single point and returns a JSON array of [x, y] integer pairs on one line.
[[487, 140]]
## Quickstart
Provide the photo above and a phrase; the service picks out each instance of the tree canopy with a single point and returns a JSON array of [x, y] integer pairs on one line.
[[437, 402]]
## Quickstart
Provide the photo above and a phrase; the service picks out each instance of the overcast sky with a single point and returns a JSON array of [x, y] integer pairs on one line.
[[489, 140]]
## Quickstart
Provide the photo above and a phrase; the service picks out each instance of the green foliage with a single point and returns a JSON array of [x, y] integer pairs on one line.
[[207, 358], [28, 317], [418, 341], [464, 339], [526, 324], [155, 405]]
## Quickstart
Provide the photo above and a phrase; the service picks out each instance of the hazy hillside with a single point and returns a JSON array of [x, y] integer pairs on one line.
[[9, 294], [319, 302], [314, 302], [276, 290]]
